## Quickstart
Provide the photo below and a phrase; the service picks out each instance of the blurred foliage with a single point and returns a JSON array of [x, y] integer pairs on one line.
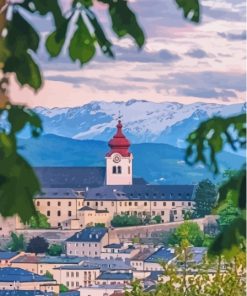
[[186, 277], [126, 220], [210, 138], [19, 43]]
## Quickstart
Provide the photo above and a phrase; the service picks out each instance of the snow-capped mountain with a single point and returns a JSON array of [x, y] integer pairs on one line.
[[144, 121]]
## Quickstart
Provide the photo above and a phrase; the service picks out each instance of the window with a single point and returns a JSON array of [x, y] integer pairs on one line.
[[77, 284], [130, 203], [101, 203], [153, 213], [145, 203], [120, 203], [164, 203], [112, 203], [119, 170], [155, 203], [114, 169], [96, 245], [59, 203], [162, 213], [38, 203], [69, 204], [59, 213], [173, 204], [182, 203], [175, 212], [48, 203], [67, 284], [88, 203], [136, 203], [48, 213], [77, 274], [183, 212], [72, 274], [69, 213], [67, 274], [129, 170], [96, 203], [189, 203]]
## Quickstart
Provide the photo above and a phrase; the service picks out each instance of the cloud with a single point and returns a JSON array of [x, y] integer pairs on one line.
[[233, 37], [197, 53], [96, 83], [207, 93]]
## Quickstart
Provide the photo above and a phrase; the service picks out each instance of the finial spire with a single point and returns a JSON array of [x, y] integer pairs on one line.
[[119, 116]]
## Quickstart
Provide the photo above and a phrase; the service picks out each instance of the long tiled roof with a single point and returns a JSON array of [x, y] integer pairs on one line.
[[48, 259], [115, 276], [64, 193], [142, 192], [25, 293], [70, 177], [90, 234], [11, 274]]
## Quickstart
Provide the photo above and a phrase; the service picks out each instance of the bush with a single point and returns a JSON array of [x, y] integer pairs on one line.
[[55, 250], [126, 220], [157, 219], [39, 222]]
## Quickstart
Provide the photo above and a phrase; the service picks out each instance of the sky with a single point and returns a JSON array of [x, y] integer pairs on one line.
[[180, 62]]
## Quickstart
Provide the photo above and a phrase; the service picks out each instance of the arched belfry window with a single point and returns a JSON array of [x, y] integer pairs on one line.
[[114, 169], [119, 170]]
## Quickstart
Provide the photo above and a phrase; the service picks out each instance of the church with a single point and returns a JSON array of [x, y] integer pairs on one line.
[[75, 197]]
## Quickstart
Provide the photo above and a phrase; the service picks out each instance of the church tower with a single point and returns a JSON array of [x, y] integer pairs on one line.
[[119, 160]]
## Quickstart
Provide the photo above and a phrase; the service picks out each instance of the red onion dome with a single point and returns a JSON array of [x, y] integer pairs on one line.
[[119, 143]]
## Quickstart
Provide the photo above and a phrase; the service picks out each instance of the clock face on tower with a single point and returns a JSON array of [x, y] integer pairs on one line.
[[117, 158]]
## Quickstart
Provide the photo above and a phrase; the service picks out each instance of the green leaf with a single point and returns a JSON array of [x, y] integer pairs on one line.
[[230, 237], [191, 9], [85, 3], [55, 41], [21, 184], [124, 21], [103, 42], [43, 7], [27, 71], [82, 43], [20, 116], [21, 35]]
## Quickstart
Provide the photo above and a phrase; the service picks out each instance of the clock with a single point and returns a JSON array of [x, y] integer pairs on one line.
[[117, 158]]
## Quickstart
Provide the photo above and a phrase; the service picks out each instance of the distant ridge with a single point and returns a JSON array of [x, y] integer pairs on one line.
[[157, 163]]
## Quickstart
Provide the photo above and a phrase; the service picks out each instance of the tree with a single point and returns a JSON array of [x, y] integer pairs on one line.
[[19, 43], [205, 198], [63, 288], [17, 242], [49, 275], [39, 221], [37, 245], [55, 250], [189, 231]]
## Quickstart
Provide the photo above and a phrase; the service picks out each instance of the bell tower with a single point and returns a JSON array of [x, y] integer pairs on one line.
[[119, 160]]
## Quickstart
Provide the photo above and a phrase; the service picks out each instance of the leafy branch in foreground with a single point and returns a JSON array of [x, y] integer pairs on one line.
[[205, 143]]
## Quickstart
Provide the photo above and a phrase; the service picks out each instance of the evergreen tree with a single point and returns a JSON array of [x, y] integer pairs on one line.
[[37, 245]]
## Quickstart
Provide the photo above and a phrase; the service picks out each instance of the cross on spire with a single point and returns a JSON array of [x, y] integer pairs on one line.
[[119, 115]]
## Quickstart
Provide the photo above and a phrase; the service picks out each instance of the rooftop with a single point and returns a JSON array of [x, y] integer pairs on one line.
[[7, 255], [114, 246], [48, 259], [57, 193], [90, 234], [142, 192], [79, 267], [24, 293], [10, 274], [115, 276], [162, 254], [70, 177], [142, 255]]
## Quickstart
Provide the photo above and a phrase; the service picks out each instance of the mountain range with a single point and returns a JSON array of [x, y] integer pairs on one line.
[[157, 163], [144, 121]]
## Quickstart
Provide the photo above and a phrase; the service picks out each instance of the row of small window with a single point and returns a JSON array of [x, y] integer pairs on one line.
[[48, 213], [77, 284], [77, 274], [83, 245], [83, 253], [117, 170], [58, 203], [130, 203]]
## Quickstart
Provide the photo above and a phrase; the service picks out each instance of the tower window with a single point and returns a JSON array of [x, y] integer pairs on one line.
[[119, 170], [128, 170], [59, 213], [114, 170]]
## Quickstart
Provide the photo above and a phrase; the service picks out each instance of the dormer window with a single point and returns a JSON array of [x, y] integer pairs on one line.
[[114, 169], [119, 170]]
